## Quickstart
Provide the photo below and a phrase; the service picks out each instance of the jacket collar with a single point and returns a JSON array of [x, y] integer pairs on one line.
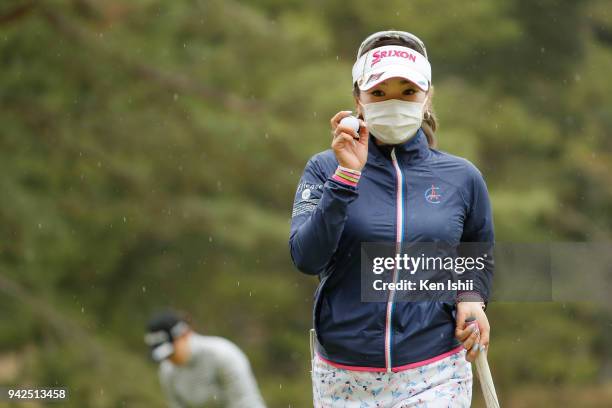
[[414, 150]]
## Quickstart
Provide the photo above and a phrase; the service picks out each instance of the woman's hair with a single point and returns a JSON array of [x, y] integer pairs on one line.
[[430, 123]]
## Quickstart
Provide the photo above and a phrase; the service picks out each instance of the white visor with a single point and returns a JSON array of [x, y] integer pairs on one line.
[[162, 352], [391, 61]]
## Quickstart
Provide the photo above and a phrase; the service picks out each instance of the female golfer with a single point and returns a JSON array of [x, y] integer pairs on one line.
[[386, 183]]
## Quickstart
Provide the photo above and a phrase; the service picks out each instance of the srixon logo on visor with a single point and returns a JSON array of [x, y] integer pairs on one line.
[[379, 55]]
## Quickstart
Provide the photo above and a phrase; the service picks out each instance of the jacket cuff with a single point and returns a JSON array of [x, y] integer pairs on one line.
[[346, 176], [471, 297]]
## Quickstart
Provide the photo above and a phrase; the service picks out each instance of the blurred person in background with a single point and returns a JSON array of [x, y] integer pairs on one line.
[[197, 370], [387, 183]]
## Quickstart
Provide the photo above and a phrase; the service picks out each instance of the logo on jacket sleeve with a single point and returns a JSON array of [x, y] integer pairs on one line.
[[432, 195], [307, 198]]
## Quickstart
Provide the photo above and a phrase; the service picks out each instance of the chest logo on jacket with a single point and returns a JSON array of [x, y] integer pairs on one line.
[[432, 194]]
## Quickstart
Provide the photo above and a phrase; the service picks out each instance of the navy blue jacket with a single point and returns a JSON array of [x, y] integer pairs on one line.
[[331, 219]]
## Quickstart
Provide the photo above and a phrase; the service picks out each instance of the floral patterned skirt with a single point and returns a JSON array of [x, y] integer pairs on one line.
[[445, 383]]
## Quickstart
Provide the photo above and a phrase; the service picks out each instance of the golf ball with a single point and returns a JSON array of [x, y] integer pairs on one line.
[[351, 122]]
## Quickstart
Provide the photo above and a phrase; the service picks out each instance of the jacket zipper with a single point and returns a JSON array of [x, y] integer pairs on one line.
[[399, 236]]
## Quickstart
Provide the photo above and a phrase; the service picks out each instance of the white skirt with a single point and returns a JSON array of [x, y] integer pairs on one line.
[[441, 384]]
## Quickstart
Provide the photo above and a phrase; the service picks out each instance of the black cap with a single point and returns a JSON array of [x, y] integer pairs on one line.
[[162, 329]]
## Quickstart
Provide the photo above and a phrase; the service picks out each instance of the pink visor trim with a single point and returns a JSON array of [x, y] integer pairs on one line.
[[394, 369]]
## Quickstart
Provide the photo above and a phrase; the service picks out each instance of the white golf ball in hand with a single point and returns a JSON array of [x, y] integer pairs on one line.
[[351, 122]]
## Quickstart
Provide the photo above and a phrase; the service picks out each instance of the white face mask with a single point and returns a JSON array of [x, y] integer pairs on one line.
[[393, 121]]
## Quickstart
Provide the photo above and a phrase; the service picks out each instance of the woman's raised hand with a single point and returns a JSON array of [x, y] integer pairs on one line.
[[350, 148]]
